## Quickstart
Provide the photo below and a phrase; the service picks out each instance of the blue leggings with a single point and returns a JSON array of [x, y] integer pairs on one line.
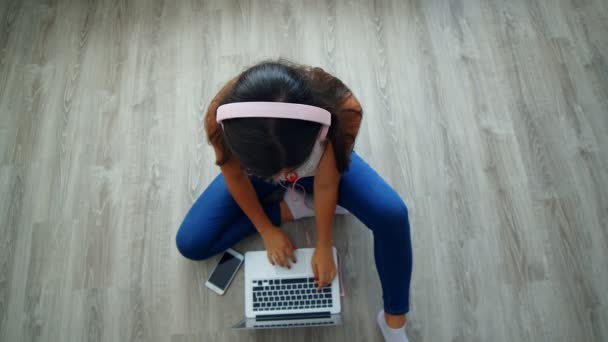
[[215, 223]]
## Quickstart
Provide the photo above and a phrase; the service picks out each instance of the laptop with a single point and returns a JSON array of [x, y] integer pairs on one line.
[[277, 297]]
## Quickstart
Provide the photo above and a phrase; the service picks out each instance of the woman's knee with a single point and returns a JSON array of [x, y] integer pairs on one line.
[[393, 219], [401, 213], [190, 247]]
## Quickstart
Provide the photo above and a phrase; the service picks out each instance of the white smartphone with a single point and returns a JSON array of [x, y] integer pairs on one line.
[[224, 271]]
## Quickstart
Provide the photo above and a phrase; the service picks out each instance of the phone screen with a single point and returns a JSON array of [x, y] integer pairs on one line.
[[224, 270]]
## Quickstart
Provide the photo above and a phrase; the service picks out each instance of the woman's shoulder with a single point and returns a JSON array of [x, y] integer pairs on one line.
[[210, 119], [351, 104], [212, 128], [350, 113], [330, 83]]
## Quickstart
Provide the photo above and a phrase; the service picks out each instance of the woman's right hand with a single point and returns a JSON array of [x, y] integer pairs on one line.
[[279, 248]]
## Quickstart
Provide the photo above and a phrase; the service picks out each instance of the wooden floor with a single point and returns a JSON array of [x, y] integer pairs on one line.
[[490, 118]]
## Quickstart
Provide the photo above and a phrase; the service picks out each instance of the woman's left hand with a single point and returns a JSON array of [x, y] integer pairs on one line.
[[323, 266]]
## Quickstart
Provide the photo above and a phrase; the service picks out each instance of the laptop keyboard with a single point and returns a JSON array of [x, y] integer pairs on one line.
[[286, 294]]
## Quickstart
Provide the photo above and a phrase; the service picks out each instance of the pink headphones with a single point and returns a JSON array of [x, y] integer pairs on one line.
[[282, 110]]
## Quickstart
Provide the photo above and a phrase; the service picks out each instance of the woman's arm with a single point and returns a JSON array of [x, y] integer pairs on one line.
[[327, 178], [244, 194], [326, 183], [237, 182], [278, 246], [325, 189]]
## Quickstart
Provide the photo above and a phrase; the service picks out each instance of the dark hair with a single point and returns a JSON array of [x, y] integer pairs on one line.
[[264, 146]]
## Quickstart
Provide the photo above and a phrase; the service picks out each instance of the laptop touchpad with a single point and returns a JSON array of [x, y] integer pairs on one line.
[[301, 267]]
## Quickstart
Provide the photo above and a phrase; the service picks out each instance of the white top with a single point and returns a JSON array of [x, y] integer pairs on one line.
[[309, 168]]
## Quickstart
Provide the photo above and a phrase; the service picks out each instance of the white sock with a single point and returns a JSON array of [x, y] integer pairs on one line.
[[303, 207], [390, 334]]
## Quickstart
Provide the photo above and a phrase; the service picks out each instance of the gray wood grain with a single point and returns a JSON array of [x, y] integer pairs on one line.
[[488, 117]]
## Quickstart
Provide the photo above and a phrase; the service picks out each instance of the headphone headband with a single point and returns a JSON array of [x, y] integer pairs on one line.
[[281, 110]]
